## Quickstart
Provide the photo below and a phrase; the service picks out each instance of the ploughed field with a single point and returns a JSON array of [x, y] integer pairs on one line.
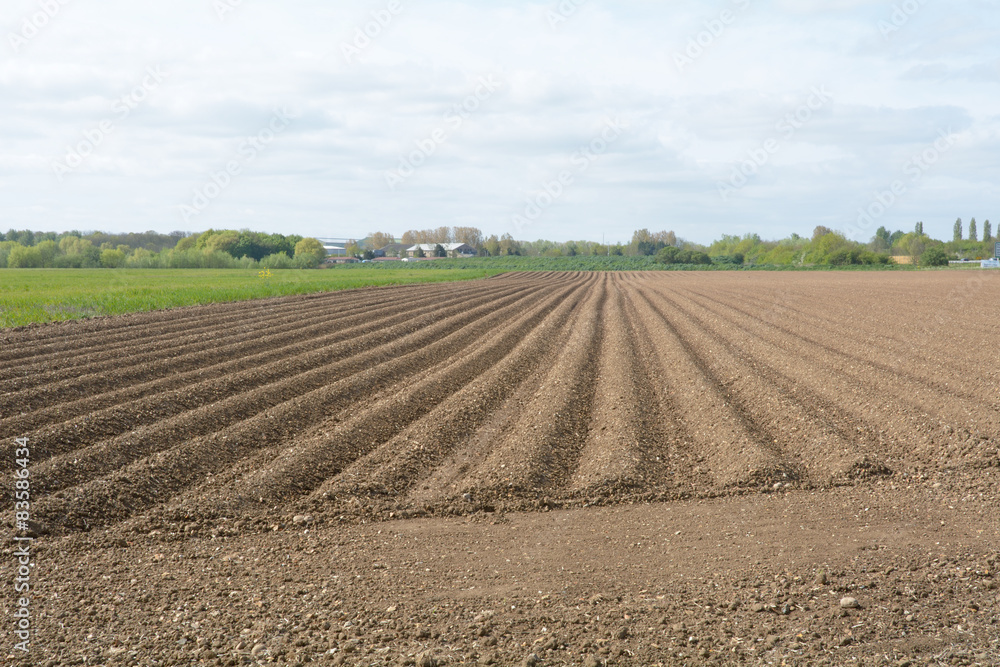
[[416, 408]]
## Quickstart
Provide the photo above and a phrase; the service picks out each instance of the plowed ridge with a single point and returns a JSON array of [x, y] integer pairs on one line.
[[521, 391]]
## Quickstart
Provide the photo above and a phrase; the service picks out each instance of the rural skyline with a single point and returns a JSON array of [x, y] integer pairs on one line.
[[574, 120]]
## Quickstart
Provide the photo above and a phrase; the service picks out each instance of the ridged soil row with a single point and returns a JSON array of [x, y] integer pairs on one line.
[[924, 386], [809, 431], [67, 340], [427, 461], [86, 420], [253, 391], [538, 455], [207, 353], [164, 474], [55, 341], [331, 447], [935, 367], [884, 320], [628, 444], [679, 459], [293, 323], [734, 450], [914, 433]]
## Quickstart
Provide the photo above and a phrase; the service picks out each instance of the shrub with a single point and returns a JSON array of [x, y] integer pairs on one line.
[[674, 255], [24, 258], [278, 260], [729, 260], [112, 259], [310, 248], [934, 257]]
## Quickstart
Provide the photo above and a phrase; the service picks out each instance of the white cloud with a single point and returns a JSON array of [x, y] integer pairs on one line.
[[325, 175]]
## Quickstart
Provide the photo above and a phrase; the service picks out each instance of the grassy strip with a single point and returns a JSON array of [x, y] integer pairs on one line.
[[45, 295]]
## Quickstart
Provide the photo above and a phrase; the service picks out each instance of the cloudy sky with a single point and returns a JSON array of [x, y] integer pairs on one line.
[[584, 119]]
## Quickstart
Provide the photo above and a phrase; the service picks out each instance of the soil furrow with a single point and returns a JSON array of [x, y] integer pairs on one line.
[[941, 425], [626, 446], [81, 336], [733, 452], [163, 474], [437, 445], [108, 413], [923, 372], [317, 371], [541, 451], [824, 445], [326, 452], [141, 377], [294, 325]]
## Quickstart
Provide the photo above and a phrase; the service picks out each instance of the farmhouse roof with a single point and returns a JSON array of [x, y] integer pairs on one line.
[[429, 247]]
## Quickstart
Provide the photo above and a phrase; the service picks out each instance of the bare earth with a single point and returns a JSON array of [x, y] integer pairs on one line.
[[623, 469]]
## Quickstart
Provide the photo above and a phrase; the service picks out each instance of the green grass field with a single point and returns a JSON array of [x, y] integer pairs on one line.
[[46, 295]]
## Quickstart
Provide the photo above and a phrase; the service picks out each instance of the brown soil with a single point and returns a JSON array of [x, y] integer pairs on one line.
[[674, 468]]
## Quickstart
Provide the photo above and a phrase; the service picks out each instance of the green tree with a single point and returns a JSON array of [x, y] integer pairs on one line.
[[934, 256], [419, 252], [112, 259], [186, 243], [919, 229], [882, 241], [25, 237], [509, 246], [492, 245], [987, 231], [5, 248], [957, 232], [310, 250], [223, 241], [48, 250], [973, 233], [439, 251], [22, 257], [820, 231]]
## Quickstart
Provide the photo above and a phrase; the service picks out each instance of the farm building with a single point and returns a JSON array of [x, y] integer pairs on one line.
[[334, 250], [393, 250], [453, 249]]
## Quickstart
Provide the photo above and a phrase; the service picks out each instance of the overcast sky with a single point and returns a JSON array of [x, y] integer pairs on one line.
[[584, 119]]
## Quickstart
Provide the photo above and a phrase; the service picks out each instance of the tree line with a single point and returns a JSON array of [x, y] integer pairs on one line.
[[228, 248], [212, 249]]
